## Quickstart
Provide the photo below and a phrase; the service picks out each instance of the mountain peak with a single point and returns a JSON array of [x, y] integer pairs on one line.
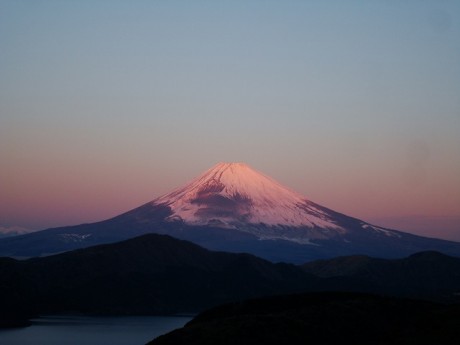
[[231, 194], [234, 165], [238, 170], [233, 168]]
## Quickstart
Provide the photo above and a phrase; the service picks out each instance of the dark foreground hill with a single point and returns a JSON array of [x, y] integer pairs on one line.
[[322, 319], [151, 274], [158, 274]]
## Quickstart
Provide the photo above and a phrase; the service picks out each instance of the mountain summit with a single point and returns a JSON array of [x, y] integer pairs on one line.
[[235, 208], [232, 194]]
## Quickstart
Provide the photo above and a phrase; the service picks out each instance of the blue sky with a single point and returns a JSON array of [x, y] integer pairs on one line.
[[107, 104]]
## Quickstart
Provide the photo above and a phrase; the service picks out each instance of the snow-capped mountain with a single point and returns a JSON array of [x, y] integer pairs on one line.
[[235, 208], [233, 195]]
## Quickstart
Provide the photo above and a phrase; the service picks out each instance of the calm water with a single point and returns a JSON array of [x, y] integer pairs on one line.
[[76, 330]]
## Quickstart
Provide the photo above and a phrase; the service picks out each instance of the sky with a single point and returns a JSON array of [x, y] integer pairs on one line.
[[106, 105]]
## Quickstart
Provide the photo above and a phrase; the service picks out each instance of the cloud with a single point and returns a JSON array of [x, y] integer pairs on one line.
[[6, 231]]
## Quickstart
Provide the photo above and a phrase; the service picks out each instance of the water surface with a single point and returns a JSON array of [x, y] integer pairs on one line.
[[78, 330]]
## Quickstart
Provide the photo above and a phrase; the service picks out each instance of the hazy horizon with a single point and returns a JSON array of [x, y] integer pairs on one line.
[[108, 105]]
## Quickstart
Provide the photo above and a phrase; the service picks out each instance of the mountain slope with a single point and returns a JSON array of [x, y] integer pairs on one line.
[[233, 194], [234, 208]]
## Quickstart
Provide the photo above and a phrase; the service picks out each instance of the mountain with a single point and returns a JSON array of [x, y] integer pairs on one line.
[[234, 208], [427, 275], [322, 318], [234, 196], [150, 274], [158, 274], [8, 231]]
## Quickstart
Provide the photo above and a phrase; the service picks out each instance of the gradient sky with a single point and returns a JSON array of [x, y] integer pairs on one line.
[[105, 105]]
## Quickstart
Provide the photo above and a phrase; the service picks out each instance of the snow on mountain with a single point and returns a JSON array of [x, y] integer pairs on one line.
[[7, 231], [231, 194]]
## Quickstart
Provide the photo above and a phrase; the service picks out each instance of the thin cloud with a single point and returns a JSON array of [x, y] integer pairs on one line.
[[14, 230]]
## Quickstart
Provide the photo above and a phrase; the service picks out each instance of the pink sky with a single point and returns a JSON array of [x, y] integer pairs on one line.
[[64, 196], [103, 108]]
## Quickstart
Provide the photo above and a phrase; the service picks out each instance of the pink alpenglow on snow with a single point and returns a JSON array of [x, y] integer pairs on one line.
[[232, 193]]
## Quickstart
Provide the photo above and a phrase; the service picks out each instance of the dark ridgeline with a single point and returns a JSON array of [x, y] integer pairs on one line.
[[151, 274], [157, 274], [425, 275]]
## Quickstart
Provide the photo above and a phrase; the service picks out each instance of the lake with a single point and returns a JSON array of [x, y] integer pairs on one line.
[[78, 330]]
